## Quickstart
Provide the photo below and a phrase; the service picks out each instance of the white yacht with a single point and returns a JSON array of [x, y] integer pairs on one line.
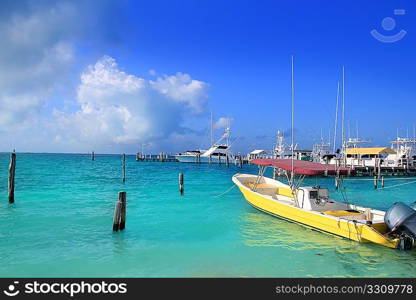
[[217, 154], [404, 155]]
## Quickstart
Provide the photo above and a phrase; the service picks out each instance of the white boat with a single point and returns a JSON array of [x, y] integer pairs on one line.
[[219, 152], [404, 155]]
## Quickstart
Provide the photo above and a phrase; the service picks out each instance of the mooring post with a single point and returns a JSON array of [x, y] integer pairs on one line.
[[209, 158], [12, 168], [181, 183], [92, 155], [122, 198], [219, 158], [119, 222], [336, 183], [227, 161], [240, 161], [382, 181], [124, 167], [375, 182]]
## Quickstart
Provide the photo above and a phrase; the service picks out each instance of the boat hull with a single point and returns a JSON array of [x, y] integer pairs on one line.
[[202, 159], [341, 227]]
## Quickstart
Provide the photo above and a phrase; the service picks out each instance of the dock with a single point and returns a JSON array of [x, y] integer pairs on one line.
[[161, 157], [385, 171]]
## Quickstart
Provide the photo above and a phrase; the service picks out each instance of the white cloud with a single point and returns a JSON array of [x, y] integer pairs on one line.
[[117, 108], [182, 88], [34, 55], [45, 105], [223, 122]]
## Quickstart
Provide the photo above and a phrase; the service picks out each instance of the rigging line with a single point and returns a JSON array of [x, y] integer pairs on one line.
[[225, 192], [396, 185]]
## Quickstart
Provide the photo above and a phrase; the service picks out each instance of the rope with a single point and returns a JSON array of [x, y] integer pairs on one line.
[[400, 184], [225, 191]]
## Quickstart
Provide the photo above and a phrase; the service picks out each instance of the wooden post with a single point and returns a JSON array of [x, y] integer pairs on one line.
[[382, 181], [209, 158], [122, 199], [92, 155], [219, 159], [326, 173], [227, 162], [375, 182], [336, 183], [181, 183], [124, 167], [379, 168], [240, 161], [119, 221], [12, 168]]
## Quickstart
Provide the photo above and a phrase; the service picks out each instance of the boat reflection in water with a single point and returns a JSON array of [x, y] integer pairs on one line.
[[310, 249]]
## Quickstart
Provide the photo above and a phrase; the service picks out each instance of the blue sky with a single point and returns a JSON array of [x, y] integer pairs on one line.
[[231, 57]]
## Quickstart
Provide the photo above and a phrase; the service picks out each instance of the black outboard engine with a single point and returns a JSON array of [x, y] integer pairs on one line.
[[401, 220]]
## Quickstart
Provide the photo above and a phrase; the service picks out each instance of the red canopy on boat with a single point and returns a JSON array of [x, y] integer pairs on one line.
[[301, 167]]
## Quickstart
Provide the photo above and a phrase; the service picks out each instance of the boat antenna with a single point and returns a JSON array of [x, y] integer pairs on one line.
[[336, 120], [293, 122], [343, 109], [349, 130], [356, 128], [211, 125]]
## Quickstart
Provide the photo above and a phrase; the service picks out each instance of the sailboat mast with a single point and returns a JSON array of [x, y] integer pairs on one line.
[[293, 123], [336, 120]]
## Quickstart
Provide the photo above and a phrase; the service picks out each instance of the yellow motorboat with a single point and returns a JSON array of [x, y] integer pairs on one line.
[[311, 206]]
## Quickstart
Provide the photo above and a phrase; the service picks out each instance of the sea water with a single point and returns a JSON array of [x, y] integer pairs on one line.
[[61, 224]]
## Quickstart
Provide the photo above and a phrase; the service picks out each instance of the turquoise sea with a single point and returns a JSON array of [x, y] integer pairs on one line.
[[61, 225]]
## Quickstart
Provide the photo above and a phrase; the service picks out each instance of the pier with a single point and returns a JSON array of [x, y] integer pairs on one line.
[[161, 157], [385, 171]]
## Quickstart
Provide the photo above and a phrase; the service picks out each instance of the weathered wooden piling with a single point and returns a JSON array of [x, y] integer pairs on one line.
[[382, 181], [209, 159], [336, 183], [124, 168], [227, 160], [122, 198], [92, 155], [375, 182], [12, 168], [119, 222], [219, 159], [181, 179]]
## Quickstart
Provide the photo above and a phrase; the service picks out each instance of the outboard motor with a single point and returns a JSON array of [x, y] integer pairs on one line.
[[401, 220]]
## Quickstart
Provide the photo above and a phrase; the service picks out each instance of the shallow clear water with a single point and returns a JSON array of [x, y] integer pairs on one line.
[[61, 225]]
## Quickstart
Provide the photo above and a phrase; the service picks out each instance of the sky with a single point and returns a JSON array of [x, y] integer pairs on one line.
[[122, 76]]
